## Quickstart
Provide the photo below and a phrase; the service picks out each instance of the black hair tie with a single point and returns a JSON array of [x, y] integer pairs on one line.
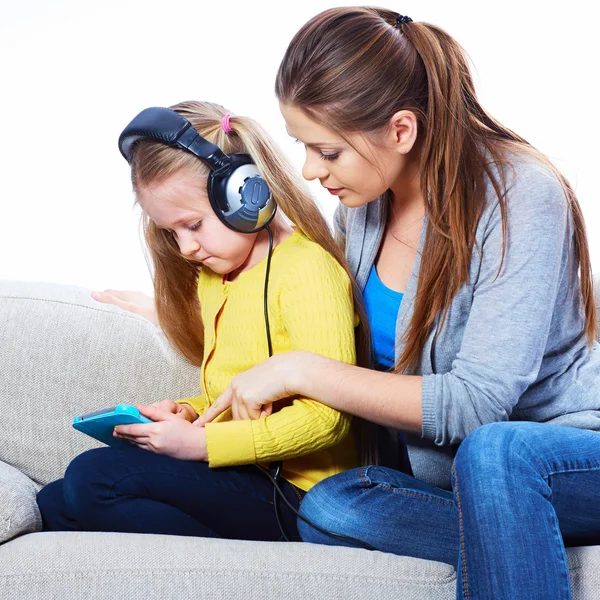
[[402, 20]]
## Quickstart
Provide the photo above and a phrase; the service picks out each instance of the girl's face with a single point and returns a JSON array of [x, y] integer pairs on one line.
[[340, 168], [180, 205]]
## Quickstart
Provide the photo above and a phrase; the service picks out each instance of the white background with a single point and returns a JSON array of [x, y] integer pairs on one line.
[[73, 73]]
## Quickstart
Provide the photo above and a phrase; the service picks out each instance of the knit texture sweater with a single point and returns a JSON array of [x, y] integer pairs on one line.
[[310, 308]]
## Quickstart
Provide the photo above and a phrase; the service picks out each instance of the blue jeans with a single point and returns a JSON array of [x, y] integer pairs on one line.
[[136, 491], [521, 493]]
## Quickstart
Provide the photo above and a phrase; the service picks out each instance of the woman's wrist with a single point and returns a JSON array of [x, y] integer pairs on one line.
[[308, 369]]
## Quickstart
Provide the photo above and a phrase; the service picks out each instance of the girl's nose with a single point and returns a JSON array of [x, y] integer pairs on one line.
[[188, 245]]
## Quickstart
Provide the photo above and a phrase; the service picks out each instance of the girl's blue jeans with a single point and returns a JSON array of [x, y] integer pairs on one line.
[[136, 491], [521, 493]]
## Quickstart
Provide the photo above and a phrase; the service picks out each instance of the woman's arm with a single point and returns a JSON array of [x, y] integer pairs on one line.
[[384, 398]]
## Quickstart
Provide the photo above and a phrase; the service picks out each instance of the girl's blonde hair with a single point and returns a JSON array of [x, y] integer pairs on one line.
[[175, 277], [351, 69]]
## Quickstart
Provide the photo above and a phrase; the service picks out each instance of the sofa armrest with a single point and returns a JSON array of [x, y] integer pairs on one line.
[[19, 512]]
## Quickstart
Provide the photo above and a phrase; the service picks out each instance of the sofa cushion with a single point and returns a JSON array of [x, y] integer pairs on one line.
[[105, 566], [18, 509], [63, 354]]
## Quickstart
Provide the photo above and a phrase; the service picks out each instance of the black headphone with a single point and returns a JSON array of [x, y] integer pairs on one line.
[[237, 192]]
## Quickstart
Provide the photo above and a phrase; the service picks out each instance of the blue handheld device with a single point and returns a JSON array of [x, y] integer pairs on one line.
[[101, 423]]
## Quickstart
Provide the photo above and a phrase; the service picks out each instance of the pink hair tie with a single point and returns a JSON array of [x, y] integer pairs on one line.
[[225, 123]]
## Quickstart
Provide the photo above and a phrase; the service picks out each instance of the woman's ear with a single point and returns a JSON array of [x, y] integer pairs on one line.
[[402, 131]]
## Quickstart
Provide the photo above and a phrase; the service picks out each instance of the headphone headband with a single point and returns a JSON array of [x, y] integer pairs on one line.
[[167, 126], [237, 193]]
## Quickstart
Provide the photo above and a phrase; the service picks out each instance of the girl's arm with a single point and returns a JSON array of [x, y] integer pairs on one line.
[[316, 307]]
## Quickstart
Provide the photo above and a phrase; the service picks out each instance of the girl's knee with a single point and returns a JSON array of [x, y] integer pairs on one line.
[[50, 497], [83, 476]]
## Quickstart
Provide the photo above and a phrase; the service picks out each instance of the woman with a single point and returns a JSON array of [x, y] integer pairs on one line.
[[471, 252], [494, 333]]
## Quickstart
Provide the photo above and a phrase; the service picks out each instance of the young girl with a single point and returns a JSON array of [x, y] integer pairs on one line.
[[179, 477], [483, 244]]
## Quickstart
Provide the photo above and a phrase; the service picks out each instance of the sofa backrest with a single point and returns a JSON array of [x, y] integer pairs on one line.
[[63, 354]]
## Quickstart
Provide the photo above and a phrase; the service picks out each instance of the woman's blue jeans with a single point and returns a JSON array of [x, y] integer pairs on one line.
[[137, 491], [521, 493]]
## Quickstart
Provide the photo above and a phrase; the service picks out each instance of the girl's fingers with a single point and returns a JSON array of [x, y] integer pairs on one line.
[[137, 440]]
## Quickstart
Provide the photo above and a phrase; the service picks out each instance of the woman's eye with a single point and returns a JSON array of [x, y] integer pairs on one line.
[[329, 156]]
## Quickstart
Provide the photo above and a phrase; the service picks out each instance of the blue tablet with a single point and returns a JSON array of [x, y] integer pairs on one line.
[[101, 423]]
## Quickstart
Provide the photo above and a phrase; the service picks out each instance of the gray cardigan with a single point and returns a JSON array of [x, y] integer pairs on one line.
[[513, 347]]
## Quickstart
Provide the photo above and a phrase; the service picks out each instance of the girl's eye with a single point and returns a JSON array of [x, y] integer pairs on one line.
[[195, 226]]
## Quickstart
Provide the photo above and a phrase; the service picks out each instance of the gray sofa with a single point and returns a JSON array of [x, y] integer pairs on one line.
[[61, 354]]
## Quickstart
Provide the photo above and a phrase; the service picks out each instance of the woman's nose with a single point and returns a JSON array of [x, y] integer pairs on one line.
[[314, 168]]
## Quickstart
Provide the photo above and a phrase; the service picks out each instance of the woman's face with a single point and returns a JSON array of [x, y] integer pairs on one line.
[[344, 171], [180, 205]]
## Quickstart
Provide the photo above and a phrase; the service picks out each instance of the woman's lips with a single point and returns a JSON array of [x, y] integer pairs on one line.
[[334, 191]]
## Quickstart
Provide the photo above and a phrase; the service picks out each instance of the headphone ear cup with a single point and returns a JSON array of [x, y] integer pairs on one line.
[[241, 199]]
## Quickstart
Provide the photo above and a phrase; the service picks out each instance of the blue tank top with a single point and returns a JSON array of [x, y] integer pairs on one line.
[[382, 305]]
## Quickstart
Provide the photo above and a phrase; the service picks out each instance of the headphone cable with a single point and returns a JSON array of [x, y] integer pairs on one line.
[[276, 466], [339, 536]]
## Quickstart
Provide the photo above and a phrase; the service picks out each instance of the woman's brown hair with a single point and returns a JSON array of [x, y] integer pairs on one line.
[[351, 69], [175, 277]]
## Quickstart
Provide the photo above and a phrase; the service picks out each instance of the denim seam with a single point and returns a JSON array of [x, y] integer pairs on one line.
[[295, 489], [463, 556], [363, 477], [423, 496], [565, 576], [577, 470], [551, 472]]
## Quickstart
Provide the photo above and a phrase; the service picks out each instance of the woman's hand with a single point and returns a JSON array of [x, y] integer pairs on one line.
[[135, 302], [169, 435], [251, 394]]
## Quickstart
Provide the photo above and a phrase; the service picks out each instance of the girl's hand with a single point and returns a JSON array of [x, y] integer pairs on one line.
[[182, 410], [169, 435], [135, 302], [251, 394]]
